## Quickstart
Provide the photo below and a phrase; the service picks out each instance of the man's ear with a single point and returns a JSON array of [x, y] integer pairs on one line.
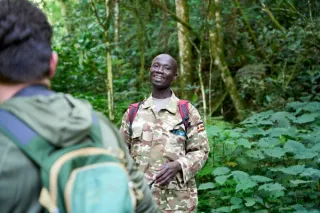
[[176, 75], [53, 64]]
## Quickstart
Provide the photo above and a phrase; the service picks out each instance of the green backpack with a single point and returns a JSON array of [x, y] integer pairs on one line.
[[83, 178]]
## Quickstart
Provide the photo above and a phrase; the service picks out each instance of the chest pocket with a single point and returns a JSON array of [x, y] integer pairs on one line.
[[141, 139], [177, 141]]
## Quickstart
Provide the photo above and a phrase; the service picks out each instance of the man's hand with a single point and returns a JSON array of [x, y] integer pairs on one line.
[[167, 172]]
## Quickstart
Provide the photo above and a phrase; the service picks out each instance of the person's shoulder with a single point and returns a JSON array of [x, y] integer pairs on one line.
[[191, 107]]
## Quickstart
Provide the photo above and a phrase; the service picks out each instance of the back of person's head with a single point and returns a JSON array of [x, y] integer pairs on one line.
[[25, 42]]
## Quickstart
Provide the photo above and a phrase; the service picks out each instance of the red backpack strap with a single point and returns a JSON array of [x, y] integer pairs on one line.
[[133, 109], [184, 112]]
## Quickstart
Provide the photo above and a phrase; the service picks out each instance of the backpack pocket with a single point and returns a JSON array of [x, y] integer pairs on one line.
[[99, 187]]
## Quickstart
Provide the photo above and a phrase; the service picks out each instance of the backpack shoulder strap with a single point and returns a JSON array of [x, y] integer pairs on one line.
[[30, 142], [24, 137], [133, 109], [184, 112]]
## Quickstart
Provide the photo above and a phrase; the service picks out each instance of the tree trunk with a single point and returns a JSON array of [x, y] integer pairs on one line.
[[202, 88], [109, 81], [185, 54], [273, 19], [116, 23], [216, 45], [66, 12], [141, 37]]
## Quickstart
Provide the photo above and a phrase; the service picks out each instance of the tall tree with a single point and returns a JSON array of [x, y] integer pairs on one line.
[[141, 37], [116, 23], [108, 6], [216, 45], [185, 53], [66, 12]]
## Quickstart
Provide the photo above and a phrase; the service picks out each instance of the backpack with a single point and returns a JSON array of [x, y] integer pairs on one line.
[[82, 178], [183, 110]]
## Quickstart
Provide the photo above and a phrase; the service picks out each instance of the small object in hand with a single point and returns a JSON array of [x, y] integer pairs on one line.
[[178, 132], [150, 185]]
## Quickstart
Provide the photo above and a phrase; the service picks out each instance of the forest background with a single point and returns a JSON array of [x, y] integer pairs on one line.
[[251, 67]]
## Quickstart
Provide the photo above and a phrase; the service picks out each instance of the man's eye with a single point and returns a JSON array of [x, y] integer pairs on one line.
[[155, 65], [167, 68]]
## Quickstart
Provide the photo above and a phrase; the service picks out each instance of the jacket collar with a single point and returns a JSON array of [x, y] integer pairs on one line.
[[171, 107]]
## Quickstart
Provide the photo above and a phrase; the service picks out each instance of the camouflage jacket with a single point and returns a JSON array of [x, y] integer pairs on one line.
[[153, 143]]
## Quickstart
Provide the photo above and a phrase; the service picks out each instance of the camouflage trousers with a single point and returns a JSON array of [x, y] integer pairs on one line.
[[175, 201]]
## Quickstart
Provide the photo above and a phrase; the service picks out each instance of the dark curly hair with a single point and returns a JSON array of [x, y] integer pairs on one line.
[[25, 42]]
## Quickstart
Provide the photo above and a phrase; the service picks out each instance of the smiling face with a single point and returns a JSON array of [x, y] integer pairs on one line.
[[163, 71]]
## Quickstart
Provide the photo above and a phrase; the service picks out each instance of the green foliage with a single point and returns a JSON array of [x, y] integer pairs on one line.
[[268, 163]]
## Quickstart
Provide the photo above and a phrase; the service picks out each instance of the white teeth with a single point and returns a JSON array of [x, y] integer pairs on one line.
[[157, 77]]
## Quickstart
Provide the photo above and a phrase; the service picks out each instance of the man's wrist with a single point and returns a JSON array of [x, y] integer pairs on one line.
[[178, 166]]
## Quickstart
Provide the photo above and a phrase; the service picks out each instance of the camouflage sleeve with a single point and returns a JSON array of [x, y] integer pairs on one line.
[[124, 129], [145, 201], [197, 147]]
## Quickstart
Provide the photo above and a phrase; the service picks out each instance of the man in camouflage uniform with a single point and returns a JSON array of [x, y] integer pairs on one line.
[[168, 155]]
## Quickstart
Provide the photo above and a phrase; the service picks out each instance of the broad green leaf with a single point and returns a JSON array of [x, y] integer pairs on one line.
[[233, 207], [293, 170], [296, 105], [257, 118], [221, 171], [276, 132], [312, 107], [257, 154], [244, 142], [260, 179], [205, 186], [222, 179], [230, 141], [276, 152], [316, 148], [265, 122], [298, 207], [234, 134], [236, 200], [213, 131], [310, 172], [249, 201], [245, 184], [239, 175], [306, 154], [297, 182], [268, 142], [312, 137], [224, 209], [254, 131], [305, 118], [282, 119], [294, 147], [269, 187]]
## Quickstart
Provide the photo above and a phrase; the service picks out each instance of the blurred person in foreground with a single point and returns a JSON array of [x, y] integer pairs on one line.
[[167, 139], [27, 63]]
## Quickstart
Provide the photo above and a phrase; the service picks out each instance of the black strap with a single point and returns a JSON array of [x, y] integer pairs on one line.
[[185, 118]]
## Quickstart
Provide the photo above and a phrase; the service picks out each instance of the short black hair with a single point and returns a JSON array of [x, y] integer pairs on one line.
[[175, 64], [25, 42]]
